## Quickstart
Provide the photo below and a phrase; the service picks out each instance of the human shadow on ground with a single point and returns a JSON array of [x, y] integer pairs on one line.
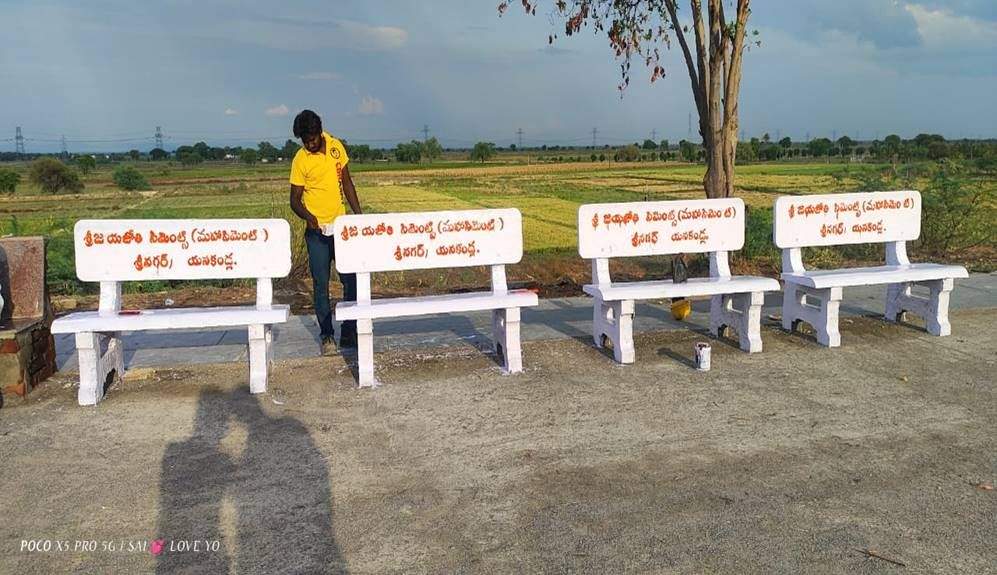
[[278, 487]]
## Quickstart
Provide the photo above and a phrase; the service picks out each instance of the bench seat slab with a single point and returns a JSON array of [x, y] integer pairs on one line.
[[174, 318], [876, 275], [660, 289], [425, 305]]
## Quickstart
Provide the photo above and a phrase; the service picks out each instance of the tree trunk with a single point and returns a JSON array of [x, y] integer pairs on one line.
[[718, 175], [715, 74]]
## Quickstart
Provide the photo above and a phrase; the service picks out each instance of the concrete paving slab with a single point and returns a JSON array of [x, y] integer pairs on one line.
[[553, 319]]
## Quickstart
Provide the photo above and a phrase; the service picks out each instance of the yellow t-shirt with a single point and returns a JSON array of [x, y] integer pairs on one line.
[[321, 175]]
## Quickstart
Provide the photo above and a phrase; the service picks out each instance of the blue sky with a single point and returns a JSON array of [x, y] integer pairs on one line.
[[106, 72]]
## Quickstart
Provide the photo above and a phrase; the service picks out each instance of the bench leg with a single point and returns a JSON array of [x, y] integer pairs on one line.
[[505, 334], [260, 357], [615, 320], [934, 308], [743, 312], [95, 366], [790, 302], [365, 353], [823, 315]]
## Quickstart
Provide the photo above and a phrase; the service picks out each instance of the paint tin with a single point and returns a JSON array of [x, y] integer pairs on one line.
[[703, 356]]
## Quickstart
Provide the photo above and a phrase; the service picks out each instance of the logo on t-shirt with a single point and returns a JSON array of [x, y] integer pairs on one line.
[[334, 152]]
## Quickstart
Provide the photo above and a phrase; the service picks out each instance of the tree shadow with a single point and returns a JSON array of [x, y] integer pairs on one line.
[[279, 486]]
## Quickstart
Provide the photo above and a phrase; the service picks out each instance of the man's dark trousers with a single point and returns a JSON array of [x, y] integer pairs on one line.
[[321, 253]]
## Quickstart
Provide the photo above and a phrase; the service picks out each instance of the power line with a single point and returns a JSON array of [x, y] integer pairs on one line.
[[19, 139], [654, 135], [65, 151], [519, 133], [159, 137], [595, 133], [425, 132]]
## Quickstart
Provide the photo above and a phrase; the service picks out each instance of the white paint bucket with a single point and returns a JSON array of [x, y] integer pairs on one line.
[[703, 356]]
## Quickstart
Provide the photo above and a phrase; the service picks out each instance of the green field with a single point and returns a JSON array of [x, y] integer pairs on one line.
[[547, 194]]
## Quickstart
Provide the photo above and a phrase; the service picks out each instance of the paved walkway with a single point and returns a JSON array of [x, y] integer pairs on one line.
[[554, 319]]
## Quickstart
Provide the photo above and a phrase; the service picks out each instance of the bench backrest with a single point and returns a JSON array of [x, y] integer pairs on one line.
[[658, 228], [131, 250], [423, 240], [839, 219]]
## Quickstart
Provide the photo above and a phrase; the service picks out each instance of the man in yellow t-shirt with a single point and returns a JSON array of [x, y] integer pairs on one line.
[[320, 179]]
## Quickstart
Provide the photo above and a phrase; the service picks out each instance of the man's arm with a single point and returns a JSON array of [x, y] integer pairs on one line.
[[299, 207], [350, 192]]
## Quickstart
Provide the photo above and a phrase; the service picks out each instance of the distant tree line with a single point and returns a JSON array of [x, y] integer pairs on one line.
[[981, 154], [891, 149]]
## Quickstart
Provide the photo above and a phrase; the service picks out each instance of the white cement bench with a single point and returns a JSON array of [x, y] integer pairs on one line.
[[426, 240], [116, 251], [715, 226], [893, 218]]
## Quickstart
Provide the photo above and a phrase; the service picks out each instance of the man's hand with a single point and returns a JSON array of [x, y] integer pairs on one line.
[[312, 222]]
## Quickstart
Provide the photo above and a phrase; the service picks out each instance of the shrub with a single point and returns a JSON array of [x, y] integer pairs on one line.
[[758, 235], [189, 158], [8, 181], [957, 211], [52, 176], [482, 151], [128, 178], [627, 154], [411, 152], [86, 164]]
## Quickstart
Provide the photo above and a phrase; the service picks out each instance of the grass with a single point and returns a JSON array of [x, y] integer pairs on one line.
[[548, 195]]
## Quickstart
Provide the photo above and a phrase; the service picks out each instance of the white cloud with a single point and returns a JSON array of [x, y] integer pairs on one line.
[[304, 35], [944, 30], [280, 110], [231, 112], [371, 106], [366, 37], [320, 76]]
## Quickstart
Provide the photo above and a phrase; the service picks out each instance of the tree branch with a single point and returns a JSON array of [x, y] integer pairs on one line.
[[733, 81], [701, 54], [697, 90]]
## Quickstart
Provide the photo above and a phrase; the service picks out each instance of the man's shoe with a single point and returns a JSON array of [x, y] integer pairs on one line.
[[329, 346]]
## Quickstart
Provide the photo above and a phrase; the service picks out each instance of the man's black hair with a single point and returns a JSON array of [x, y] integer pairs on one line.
[[307, 123]]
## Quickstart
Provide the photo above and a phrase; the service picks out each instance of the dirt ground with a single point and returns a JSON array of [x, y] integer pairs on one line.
[[877, 457]]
